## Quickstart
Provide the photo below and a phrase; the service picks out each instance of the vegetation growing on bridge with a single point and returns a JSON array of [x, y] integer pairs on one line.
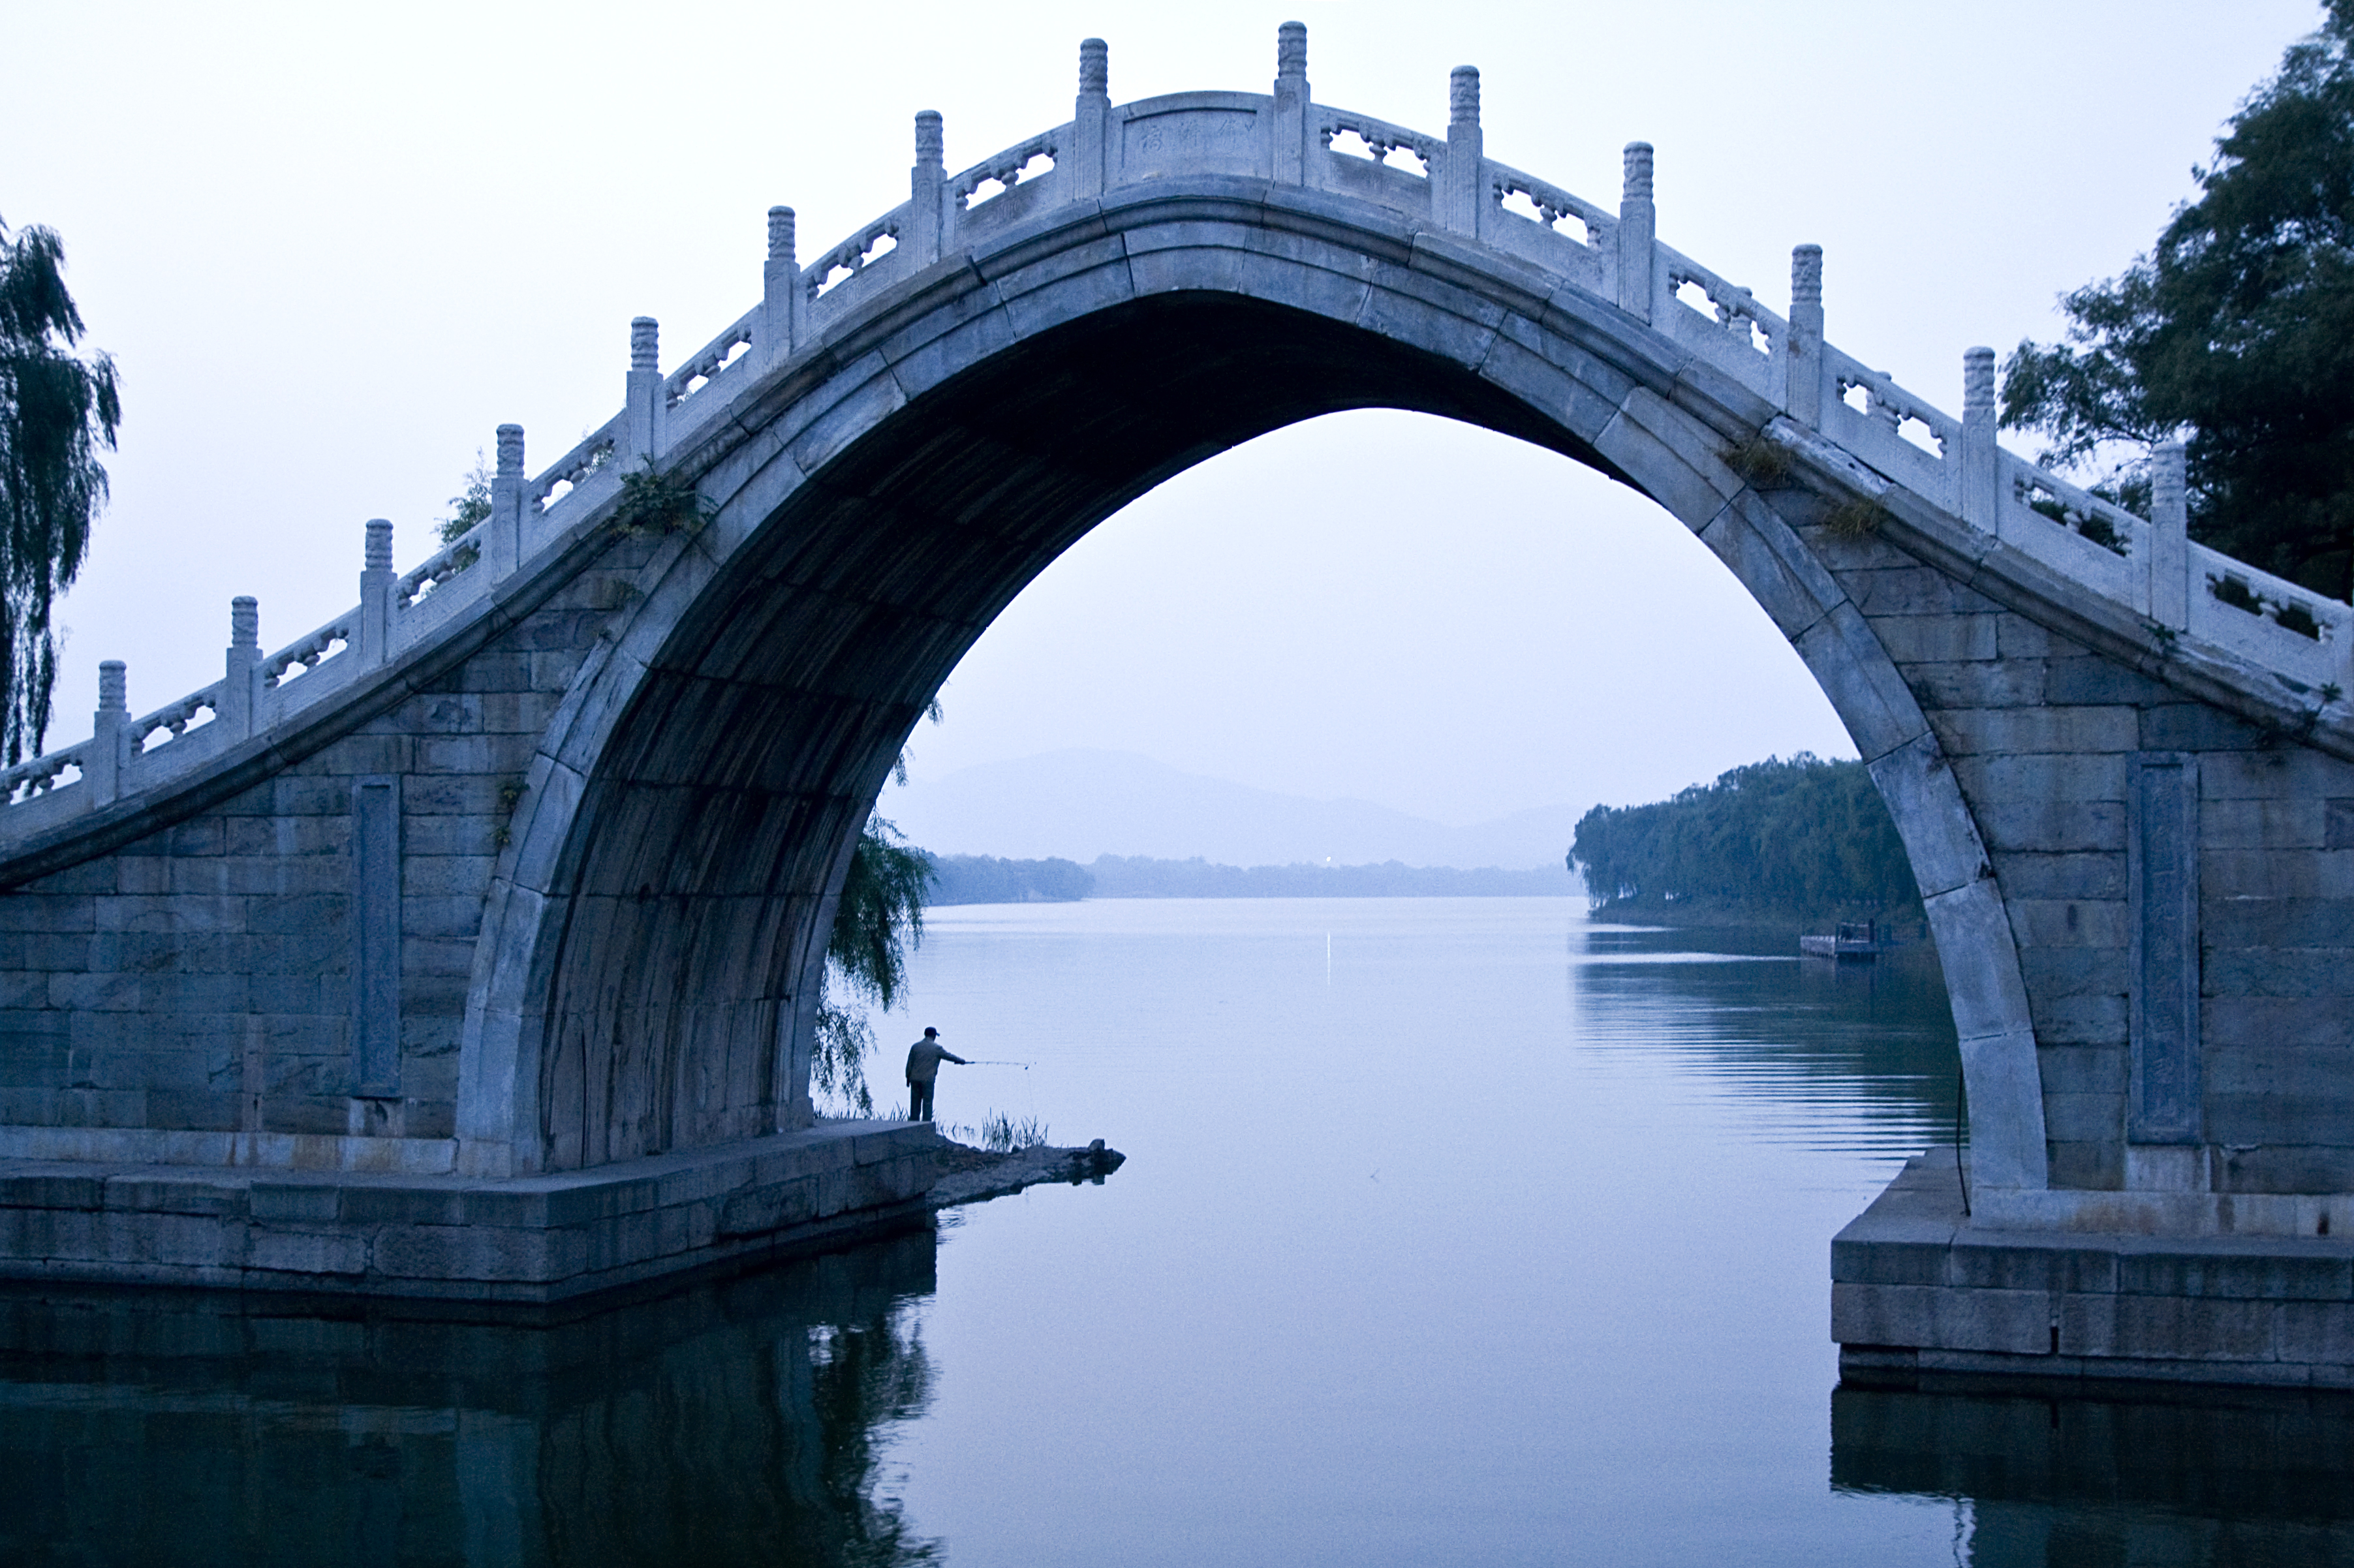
[[2237, 331], [1776, 838]]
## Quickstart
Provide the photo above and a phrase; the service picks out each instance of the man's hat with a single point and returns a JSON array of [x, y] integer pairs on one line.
[[929, 1033]]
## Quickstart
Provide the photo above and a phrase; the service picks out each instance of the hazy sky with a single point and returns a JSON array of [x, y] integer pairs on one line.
[[331, 248]]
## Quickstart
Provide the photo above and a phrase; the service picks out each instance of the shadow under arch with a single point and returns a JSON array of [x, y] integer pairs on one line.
[[655, 938]]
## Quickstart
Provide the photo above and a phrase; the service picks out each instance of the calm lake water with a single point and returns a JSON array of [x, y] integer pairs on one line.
[[1452, 1231]]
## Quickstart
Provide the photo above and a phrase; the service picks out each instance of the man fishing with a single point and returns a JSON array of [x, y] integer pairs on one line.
[[923, 1059]]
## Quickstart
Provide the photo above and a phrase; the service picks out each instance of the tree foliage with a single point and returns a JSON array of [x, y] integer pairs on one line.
[[986, 879], [470, 506], [1801, 836], [880, 919], [57, 410], [2235, 334]]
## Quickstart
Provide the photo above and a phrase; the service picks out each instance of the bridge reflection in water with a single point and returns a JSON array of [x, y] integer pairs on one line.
[[761, 1419], [2122, 1474], [751, 1420], [742, 1421]]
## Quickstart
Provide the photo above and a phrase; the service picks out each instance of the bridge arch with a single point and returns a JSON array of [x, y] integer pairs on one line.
[[653, 941], [519, 865]]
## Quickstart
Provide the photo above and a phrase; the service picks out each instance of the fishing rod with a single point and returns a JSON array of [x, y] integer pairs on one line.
[[1025, 1067]]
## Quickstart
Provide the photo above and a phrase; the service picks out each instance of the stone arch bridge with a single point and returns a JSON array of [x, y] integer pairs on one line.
[[503, 892]]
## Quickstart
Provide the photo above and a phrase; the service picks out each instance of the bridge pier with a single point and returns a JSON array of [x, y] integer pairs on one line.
[[2071, 1285], [532, 1239]]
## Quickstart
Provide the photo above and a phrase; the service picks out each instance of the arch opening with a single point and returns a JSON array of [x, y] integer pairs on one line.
[[676, 979]]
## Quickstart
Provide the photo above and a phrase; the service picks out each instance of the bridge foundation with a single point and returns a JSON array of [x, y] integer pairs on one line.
[[522, 1239], [2115, 1285]]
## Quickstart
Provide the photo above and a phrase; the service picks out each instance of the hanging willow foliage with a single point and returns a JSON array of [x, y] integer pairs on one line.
[[57, 410], [880, 917]]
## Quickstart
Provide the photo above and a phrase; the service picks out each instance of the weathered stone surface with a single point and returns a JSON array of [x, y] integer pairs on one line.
[[532, 877], [1916, 1279], [522, 1239]]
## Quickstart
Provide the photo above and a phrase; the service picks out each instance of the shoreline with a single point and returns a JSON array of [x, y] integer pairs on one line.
[[976, 1175]]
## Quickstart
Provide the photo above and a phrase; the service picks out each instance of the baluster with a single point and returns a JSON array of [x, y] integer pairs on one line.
[[1738, 315], [1802, 396], [1292, 127], [781, 289], [1879, 398], [377, 588], [238, 680], [2169, 538], [928, 190], [1981, 464], [110, 731], [1461, 184], [1086, 174], [1639, 224]]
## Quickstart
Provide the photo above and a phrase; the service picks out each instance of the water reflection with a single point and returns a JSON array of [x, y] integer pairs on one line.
[[2124, 1475], [742, 1421], [1350, 1304], [1856, 1058]]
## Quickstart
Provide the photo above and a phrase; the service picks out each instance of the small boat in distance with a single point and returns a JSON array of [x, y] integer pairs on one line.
[[1849, 939]]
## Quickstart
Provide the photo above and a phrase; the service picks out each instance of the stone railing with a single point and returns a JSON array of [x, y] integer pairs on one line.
[[1006, 171], [1448, 183]]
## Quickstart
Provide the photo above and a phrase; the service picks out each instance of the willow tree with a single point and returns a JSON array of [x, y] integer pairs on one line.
[[881, 916], [57, 410]]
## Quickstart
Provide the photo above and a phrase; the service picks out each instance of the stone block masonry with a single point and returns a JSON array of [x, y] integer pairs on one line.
[[281, 980], [521, 1240], [1919, 1286], [521, 867]]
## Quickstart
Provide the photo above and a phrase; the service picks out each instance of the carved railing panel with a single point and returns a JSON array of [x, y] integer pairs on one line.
[[852, 270], [1192, 134]]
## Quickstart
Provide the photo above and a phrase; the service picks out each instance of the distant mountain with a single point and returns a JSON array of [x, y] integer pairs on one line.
[[1079, 804]]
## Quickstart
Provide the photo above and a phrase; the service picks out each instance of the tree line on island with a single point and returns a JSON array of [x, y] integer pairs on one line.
[[986, 879], [1774, 840]]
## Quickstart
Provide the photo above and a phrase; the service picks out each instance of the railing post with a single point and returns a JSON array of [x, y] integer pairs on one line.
[[1462, 182], [109, 729], [244, 657], [503, 551], [2170, 538], [1638, 227], [643, 398], [1802, 395], [1291, 127], [1089, 171], [781, 289], [376, 594], [1981, 460], [928, 189]]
